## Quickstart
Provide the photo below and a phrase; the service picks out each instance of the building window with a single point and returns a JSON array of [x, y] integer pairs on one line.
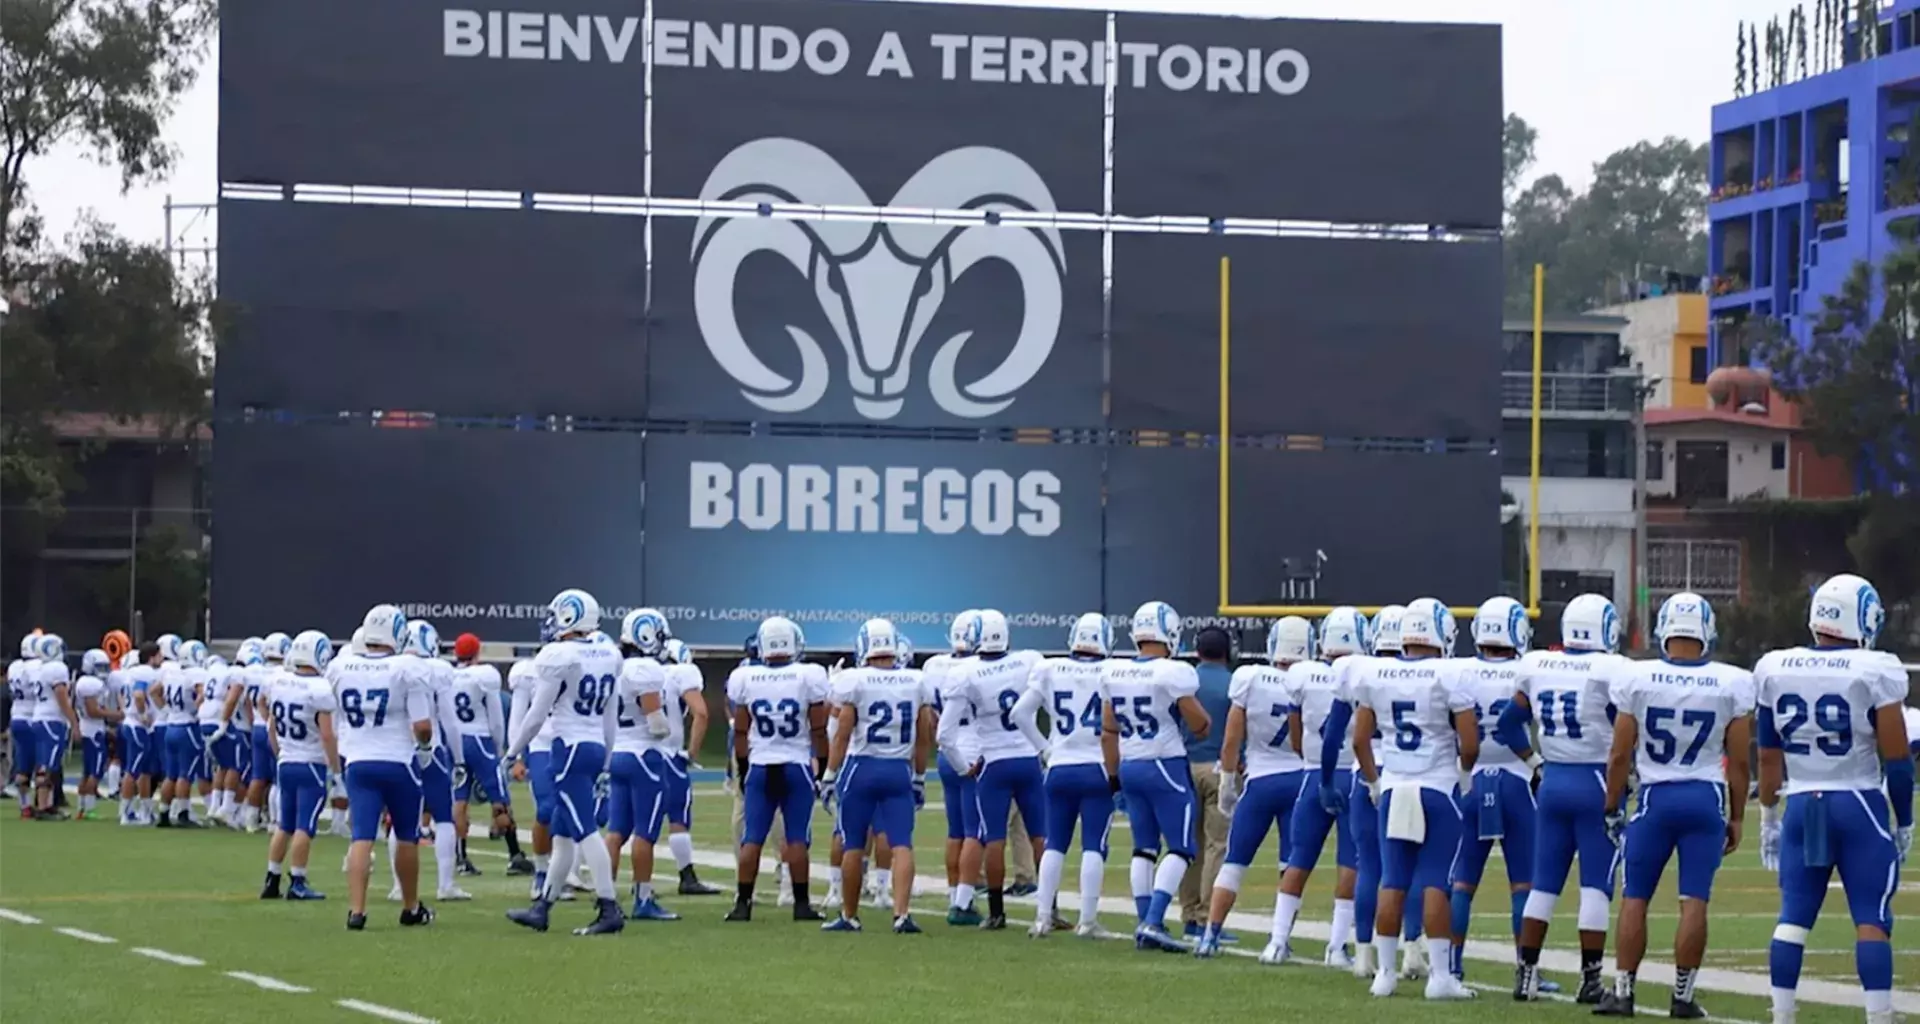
[[1700, 470], [1656, 460], [1779, 455], [1697, 364]]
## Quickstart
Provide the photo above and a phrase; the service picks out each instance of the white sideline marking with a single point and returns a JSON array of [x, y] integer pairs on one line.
[[17, 917], [386, 1011], [86, 936], [172, 958], [270, 984]]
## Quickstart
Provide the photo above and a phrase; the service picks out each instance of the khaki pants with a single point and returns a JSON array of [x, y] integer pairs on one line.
[[1020, 851], [1210, 841]]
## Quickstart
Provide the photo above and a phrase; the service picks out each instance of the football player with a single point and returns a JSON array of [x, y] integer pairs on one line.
[[301, 708], [1083, 768], [780, 728]]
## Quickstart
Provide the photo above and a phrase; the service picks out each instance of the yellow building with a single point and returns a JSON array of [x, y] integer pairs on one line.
[[1667, 336]]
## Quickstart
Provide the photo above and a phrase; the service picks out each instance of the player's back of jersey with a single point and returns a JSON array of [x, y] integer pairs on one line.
[[1144, 694], [1266, 694], [1073, 690], [777, 698], [90, 687], [886, 704], [681, 679], [639, 676], [378, 695], [1490, 684], [522, 680], [50, 674], [1683, 710], [296, 703], [1316, 687], [1414, 700], [1822, 704], [937, 670], [257, 679], [1572, 697], [213, 697], [24, 687], [995, 683], [143, 680], [588, 670], [473, 686]]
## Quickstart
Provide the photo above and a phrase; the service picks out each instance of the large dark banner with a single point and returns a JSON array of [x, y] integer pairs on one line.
[[470, 529], [1346, 121], [833, 532], [1309, 528], [367, 92], [858, 103], [493, 312], [1339, 337], [762, 318]]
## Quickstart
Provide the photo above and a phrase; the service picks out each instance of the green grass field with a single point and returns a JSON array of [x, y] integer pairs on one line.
[[180, 911]]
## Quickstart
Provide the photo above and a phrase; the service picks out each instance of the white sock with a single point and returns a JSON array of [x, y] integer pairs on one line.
[[1140, 877], [446, 852], [273, 867], [833, 877], [87, 802], [542, 861], [393, 857], [1285, 909], [883, 879], [1342, 924], [682, 845], [1439, 956], [559, 863], [1386, 943], [1878, 1001], [1053, 864], [1166, 878], [962, 895], [179, 808], [1093, 870], [600, 863], [249, 816], [1784, 1002]]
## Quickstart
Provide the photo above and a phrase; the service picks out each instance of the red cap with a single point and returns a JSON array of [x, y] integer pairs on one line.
[[467, 647]]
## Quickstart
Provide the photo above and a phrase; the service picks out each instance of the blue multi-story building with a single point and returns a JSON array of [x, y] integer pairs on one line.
[[1806, 178]]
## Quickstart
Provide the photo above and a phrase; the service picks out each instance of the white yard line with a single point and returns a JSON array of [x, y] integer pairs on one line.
[[172, 958], [86, 936], [386, 1012], [270, 984], [17, 917]]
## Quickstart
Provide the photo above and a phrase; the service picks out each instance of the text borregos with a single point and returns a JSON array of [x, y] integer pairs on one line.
[[863, 499], [1016, 60]]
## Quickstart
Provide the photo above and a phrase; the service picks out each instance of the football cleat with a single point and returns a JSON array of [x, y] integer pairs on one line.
[[1275, 954], [608, 920], [843, 923], [300, 891], [534, 915], [417, 917]]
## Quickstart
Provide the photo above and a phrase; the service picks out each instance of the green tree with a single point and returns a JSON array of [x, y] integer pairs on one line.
[[1517, 141]]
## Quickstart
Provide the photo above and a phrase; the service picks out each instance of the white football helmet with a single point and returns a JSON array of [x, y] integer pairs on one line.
[[780, 638], [1386, 629], [1427, 622], [1092, 634], [572, 611], [95, 663], [252, 651], [51, 647], [677, 652], [1156, 623], [423, 639], [274, 647], [876, 639], [1847, 607], [193, 653], [965, 631], [29, 646], [169, 644], [1289, 640], [356, 644], [1502, 622], [902, 650], [1343, 631], [995, 636], [647, 630], [311, 649], [1685, 615], [384, 626], [1590, 623]]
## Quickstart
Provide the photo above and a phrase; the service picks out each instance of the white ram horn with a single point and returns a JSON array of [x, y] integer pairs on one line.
[[715, 268], [979, 178], [787, 171], [1041, 288]]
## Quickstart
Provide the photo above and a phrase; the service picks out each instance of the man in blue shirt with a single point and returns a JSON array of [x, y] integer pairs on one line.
[[1215, 649]]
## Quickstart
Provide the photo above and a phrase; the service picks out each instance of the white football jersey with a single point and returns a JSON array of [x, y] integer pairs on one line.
[[1144, 694], [177, 704], [638, 677], [476, 701], [989, 687], [1913, 726], [1414, 701], [1267, 695], [1683, 711], [213, 697], [1345, 669], [50, 674], [886, 705], [681, 680], [1073, 690], [119, 691], [1316, 690], [1571, 693], [296, 701], [1491, 685], [522, 680], [144, 679], [587, 672], [439, 679], [1823, 704], [23, 687], [95, 687], [778, 699], [380, 696], [936, 670]]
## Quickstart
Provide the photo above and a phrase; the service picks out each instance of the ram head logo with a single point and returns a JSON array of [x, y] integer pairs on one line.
[[878, 284]]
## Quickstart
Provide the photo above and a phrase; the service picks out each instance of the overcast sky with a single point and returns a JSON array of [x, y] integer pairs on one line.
[[1592, 76]]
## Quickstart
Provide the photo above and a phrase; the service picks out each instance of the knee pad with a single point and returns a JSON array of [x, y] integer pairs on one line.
[[1229, 878], [1791, 934], [1149, 856], [1540, 907], [1594, 905]]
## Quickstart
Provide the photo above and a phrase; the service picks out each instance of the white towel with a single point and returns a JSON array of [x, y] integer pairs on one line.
[[1406, 815]]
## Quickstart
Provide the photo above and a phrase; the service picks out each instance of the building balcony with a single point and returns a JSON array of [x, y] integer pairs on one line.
[[1568, 395], [1748, 203]]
